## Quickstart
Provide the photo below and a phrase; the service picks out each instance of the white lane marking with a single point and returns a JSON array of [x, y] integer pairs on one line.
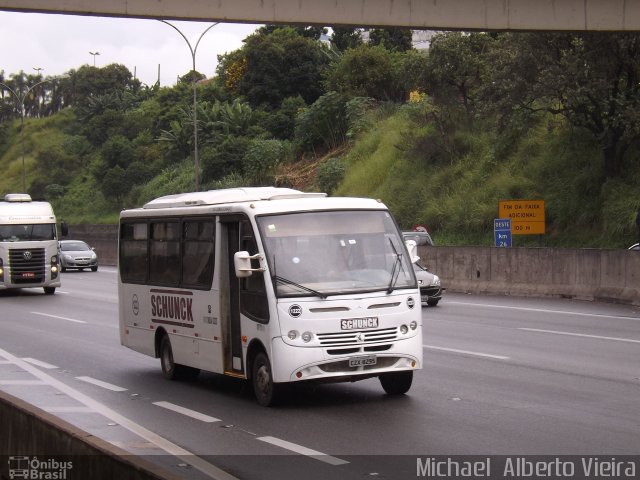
[[185, 411], [67, 409], [169, 447], [573, 334], [22, 382], [466, 352], [58, 317], [100, 383], [39, 363], [323, 457], [544, 310]]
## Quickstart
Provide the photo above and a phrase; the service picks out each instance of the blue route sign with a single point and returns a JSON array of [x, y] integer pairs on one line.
[[502, 231]]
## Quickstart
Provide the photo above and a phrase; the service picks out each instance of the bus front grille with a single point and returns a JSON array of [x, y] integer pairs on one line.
[[27, 265], [358, 337]]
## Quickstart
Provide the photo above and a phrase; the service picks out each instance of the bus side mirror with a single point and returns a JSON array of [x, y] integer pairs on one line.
[[412, 248], [242, 264], [64, 229]]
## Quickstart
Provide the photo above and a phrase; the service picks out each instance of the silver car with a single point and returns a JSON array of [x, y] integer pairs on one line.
[[76, 254], [429, 284]]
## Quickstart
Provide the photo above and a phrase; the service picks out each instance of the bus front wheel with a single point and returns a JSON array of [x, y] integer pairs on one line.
[[49, 290], [170, 369], [396, 383], [267, 392]]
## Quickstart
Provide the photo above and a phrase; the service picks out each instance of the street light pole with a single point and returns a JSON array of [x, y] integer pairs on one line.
[[94, 57], [195, 102], [20, 103]]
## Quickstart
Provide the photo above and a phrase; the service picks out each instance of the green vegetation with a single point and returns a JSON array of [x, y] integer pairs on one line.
[[441, 137]]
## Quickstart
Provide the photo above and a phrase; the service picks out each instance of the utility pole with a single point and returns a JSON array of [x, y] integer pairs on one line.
[[195, 102], [94, 57], [20, 98]]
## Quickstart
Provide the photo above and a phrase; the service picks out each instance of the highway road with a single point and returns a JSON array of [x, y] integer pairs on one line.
[[502, 376]]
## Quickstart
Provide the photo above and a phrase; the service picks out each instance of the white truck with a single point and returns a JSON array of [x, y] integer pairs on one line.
[[28, 244]]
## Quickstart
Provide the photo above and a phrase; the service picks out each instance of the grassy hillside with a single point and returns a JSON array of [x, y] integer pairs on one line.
[[450, 182], [456, 193]]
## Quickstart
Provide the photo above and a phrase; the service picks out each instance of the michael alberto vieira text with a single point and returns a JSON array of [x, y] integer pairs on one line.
[[528, 467]]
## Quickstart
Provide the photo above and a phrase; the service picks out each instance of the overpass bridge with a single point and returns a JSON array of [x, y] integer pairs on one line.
[[563, 15]]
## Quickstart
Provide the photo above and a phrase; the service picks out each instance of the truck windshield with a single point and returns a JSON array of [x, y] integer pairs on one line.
[[334, 252], [27, 232]]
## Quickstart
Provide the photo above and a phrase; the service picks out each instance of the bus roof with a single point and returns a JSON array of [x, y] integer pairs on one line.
[[229, 195], [257, 200]]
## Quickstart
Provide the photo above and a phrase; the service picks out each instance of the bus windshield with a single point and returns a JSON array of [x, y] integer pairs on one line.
[[27, 232], [334, 252]]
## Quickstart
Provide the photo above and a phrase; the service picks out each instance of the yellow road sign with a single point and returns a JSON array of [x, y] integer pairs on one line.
[[527, 216]]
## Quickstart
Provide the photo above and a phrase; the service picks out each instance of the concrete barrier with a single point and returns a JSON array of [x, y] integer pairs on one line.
[[587, 274], [104, 238], [29, 434]]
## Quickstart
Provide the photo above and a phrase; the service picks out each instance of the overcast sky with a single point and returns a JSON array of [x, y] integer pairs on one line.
[[59, 43]]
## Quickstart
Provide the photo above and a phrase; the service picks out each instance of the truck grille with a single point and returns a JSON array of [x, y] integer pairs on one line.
[[27, 265], [358, 337]]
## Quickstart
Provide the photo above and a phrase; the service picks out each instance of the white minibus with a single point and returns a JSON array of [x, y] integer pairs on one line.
[[28, 244], [271, 285]]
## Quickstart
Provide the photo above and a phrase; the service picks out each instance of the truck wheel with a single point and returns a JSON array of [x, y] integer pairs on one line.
[[396, 383], [49, 290], [267, 392]]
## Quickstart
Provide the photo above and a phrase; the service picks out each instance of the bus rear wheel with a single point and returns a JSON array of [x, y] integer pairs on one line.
[[396, 383], [170, 369], [266, 391]]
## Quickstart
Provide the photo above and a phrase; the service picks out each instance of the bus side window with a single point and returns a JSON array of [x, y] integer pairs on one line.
[[197, 257], [164, 265], [133, 252], [253, 295]]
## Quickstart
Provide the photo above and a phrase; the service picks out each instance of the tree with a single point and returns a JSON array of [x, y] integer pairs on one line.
[[273, 65], [592, 79], [396, 39], [310, 31], [375, 72], [323, 124], [456, 68], [344, 38], [90, 81]]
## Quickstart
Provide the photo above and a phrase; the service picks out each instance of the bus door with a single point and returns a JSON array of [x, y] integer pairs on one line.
[[230, 299], [247, 297]]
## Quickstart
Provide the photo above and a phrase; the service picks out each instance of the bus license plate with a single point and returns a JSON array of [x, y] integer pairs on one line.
[[362, 361]]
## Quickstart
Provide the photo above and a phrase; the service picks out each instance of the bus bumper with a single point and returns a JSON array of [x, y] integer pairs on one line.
[[294, 364]]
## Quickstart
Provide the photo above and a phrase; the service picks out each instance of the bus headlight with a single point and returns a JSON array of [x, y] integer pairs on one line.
[[404, 329], [293, 334], [307, 336], [413, 325]]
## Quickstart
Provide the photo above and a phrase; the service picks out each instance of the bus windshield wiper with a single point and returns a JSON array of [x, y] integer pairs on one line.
[[395, 272], [286, 281]]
